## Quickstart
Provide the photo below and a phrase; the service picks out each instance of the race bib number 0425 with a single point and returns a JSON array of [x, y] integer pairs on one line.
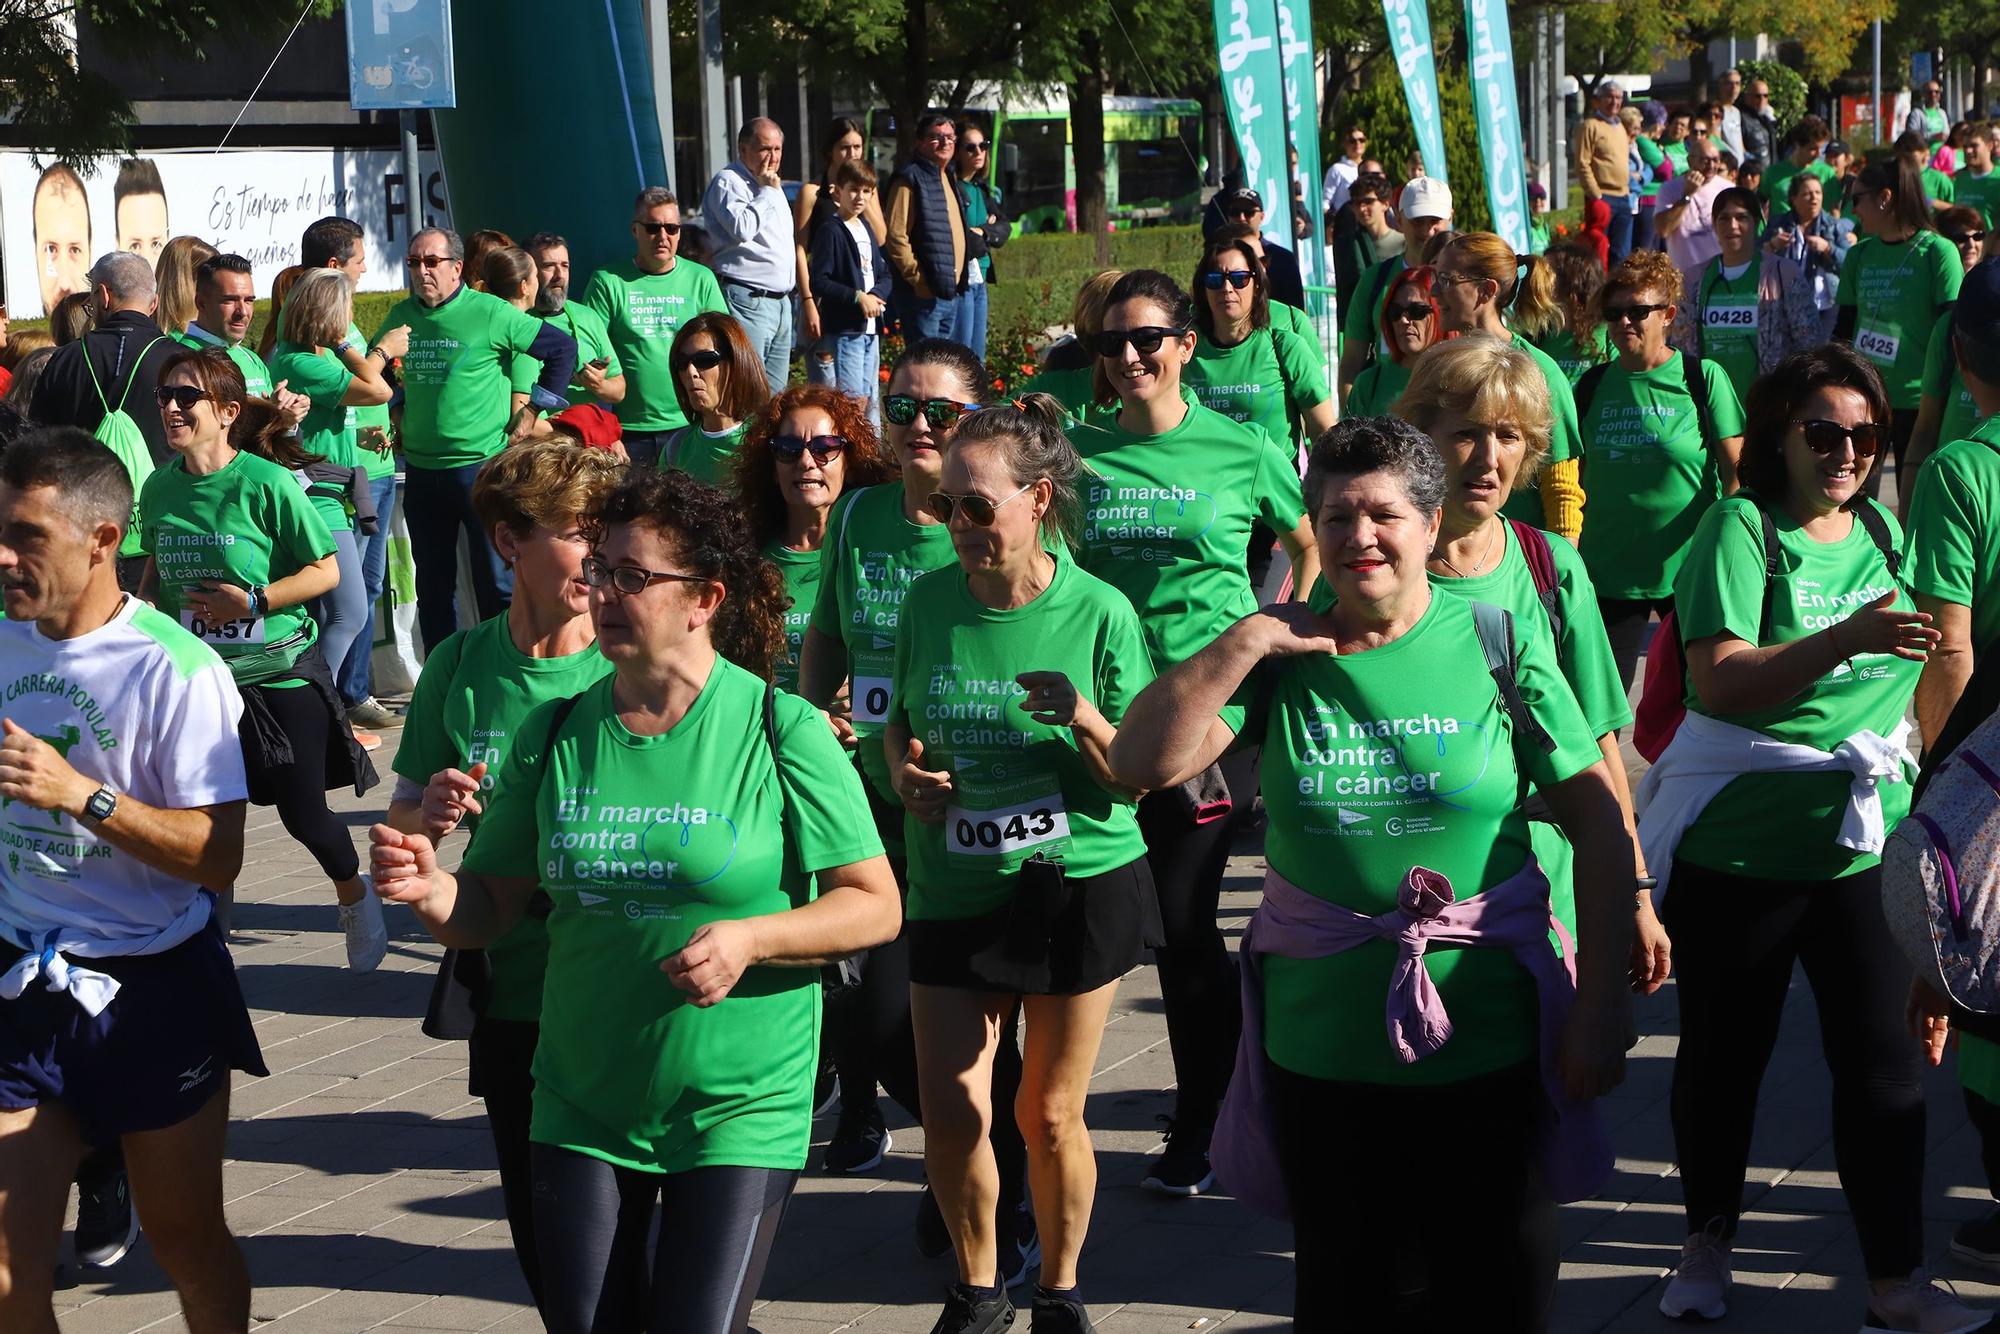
[[1877, 345]]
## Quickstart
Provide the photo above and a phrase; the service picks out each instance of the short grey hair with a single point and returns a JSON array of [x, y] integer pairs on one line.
[[454, 244], [129, 277], [1361, 445], [652, 197], [1610, 86]]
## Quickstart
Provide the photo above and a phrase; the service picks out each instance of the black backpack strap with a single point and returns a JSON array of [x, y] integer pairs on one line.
[[1495, 627], [1869, 513], [1542, 570], [541, 905], [1586, 390], [1697, 388], [1772, 552]]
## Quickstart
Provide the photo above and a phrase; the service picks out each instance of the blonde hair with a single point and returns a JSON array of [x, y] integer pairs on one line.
[[1483, 379], [553, 483], [319, 308], [1086, 313], [173, 279], [1527, 283], [1631, 118]]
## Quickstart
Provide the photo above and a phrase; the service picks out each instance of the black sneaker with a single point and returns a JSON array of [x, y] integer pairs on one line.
[[859, 1141], [106, 1223], [826, 1090], [966, 1311], [1978, 1242], [1182, 1168], [1054, 1315], [1020, 1247], [933, 1238]]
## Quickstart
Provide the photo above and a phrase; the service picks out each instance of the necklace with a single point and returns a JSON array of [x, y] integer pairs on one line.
[[1477, 565]]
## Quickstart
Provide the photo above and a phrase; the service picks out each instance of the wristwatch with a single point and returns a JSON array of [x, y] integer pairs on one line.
[[102, 804], [259, 603]]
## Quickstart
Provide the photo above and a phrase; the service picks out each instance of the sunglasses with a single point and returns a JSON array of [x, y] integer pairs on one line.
[[1357, 138], [789, 448], [660, 228], [1236, 278], [182, 396], [430, 261], [1965, 238], [1637, 313], [1415, 312], [630, 580], [972, 146], [1111, 342], [939, 412], [1244, 211], [1824, 437], [976, 509], [707, 359]]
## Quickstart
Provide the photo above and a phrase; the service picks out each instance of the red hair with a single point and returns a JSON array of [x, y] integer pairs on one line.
[[865, 461], [1417, 280]]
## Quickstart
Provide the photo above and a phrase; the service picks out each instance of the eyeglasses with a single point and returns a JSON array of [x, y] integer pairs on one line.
[[941, 138], [182, 396], [1637, 313], [659, 228], [1965, 238], [790, 448], [1357, 138], [1236, 278], [431, 261], [630, 580], [1414, 312], [973, 146], [1823, 437], [939, 412], [1111, 342], [977, 509], [704, 359], [1443, 279]]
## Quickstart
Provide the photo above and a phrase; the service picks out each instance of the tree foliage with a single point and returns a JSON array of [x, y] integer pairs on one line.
[[1788, 90], [1380, 106], [1634, 35]]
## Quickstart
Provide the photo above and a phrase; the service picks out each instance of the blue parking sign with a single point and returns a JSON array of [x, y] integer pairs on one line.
[[399, 54]]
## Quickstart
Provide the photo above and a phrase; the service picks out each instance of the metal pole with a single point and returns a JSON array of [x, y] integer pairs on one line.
[[413, 175], [1875, 85], [714, 97], [659, 41], [1558, 129], [1538, 97], [805, 131]]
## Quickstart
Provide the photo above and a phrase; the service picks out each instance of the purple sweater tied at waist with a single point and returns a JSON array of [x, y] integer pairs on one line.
[[1575, 1150]]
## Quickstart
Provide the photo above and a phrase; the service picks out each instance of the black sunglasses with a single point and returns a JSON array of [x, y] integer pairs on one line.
[[431, 261], [1965, 238], [630, 579], [1637, 312], [705, 359], [656, 228], [789, 448], [182, 396], [977, 509], [1236, 278], [1413, 312], [1823, 436], [902, 409], [1147, 339]]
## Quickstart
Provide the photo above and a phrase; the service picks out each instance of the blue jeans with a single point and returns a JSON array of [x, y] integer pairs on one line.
[[342, 613], [850, 363], [356, 677], [933, 318], [643, 447], [972, 319], [1619, 229], [768, 321], [438, 504]]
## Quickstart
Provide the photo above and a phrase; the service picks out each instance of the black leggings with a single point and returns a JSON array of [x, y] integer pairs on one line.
[[1735, 940], [1197, 977], [300, 787], [1985, 1118], [1394, 1234], [502, 1053], [1902, 425], [717, 1225], [1625, 624]]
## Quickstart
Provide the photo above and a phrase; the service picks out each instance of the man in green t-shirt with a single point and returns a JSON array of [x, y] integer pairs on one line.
[[643, 305], [599, 376], [455, 417], [1803, 146], [1425, 210], [1978, 186]]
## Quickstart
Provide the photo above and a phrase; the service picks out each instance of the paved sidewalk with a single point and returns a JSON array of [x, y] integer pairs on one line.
[[361, 1179]]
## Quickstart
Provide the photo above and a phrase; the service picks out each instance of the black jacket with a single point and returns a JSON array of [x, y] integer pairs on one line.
[[1281, 266], [66, 397], [834, 264]]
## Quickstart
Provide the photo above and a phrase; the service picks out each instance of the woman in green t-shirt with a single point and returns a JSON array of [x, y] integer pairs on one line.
[[1028, 877], [802, 451], [719, 383], [1244, 366], [700, 846], [237, 552], [464, 722], [1577, 340], [1395, 764], [1945, 409], [1409, 325], [1788, 660]]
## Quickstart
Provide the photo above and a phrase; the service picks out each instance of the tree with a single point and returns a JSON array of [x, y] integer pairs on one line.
[[73, 115], [1628, 35]]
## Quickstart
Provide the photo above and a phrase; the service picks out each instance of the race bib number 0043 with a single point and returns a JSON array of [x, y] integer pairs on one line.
[[1011, 829], [1877, 345], [248, 630]]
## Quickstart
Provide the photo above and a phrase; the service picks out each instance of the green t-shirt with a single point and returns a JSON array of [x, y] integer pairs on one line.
[[642, 312], [1943, 382], [1020, 788], [593, 340], [1072, 387], [1954, 546], [1938, 187], [1395, 756], [1381, 382], [1897, 292], [248, 524], [873, 554], [1167, 520], [801, 571], [640, 841], [377, 463], [1269, 378], [456, 395], [1777, 185], [1565, 440], [1676, 153], [1782, 826], [1980, 192], [475, 689], [1574, 361], [1649, 475], [326, 430], [1299, 324], [1362, 325], [1725, 322], [257, 377], [704, 457]]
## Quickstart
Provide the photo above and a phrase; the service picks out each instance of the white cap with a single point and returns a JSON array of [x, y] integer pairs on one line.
[[1425, 197]]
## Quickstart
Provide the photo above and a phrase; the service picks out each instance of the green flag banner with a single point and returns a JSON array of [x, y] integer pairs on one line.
[[1302, 129], [1410, 42], [1246, 46], [1490, 55]]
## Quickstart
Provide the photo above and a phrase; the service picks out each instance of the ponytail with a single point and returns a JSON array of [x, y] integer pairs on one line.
[[264, 429], [1030, 433], [1537, 311]]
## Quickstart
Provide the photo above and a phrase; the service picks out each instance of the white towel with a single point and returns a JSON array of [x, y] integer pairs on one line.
[[91, 989]]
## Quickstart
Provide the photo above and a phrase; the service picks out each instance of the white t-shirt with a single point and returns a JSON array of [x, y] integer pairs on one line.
[[138, 703], [857, 227]]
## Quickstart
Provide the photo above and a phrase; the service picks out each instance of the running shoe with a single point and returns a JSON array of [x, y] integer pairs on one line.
[[1182, 1169], [367, 934], [367, 740], [371, 713], [1020, 1247], [106, 1223], [1921, 1305], [1058, 1315], [970, 1311], [826, 1090], [1700, 1281], [859, 1141], [1978, 1242], [933, 1238]]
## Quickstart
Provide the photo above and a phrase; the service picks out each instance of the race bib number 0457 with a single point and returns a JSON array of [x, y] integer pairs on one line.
[[248, 630]]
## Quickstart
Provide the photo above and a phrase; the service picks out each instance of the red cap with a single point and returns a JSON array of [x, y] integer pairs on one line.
[[593, 425]]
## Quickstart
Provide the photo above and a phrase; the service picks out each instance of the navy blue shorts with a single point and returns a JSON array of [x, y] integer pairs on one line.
[[162, 1048]]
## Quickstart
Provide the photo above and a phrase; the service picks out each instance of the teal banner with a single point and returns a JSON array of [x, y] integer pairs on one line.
[[1490, 55], [1410, 42], [1246, 46], [1295, 25]]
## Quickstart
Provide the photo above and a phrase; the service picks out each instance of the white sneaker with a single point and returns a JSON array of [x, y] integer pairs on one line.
[[1700, 1281], [367, 934], [1922, 1306]]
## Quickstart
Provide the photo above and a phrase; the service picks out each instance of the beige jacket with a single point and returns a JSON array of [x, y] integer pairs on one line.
[[1601, 152]]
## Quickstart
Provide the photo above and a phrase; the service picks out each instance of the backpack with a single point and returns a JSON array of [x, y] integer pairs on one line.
[[1663, 697], [120, 434], [1542, 569]]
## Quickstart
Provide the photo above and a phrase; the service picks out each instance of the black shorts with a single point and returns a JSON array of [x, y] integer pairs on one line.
[[162, 1048], [1092, 931]]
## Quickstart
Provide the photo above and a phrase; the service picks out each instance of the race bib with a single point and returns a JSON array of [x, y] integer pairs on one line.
[[249, 630], [1878, 345], [1743, 317], [1023, 828], [870, 697]]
